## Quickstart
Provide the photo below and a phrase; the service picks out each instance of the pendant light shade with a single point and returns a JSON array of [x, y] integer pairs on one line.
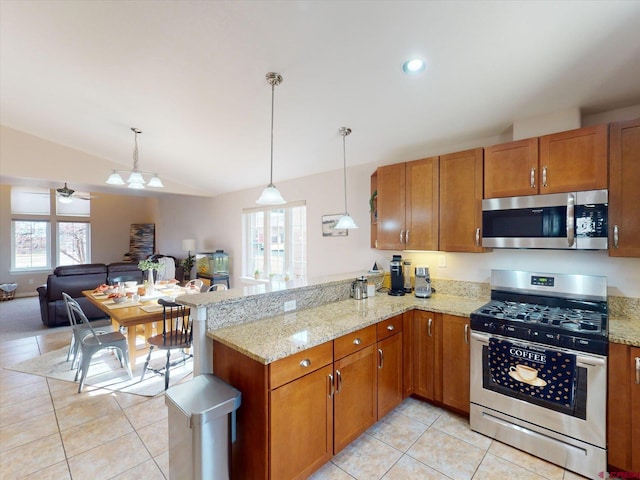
[[345, 222], [271, 195], [136, 176]]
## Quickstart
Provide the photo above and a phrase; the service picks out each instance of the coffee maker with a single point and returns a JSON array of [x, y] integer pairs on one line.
[[422, 283], [397, 276]]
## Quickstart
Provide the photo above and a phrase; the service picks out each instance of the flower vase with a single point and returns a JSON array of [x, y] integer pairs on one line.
[[151, 282]]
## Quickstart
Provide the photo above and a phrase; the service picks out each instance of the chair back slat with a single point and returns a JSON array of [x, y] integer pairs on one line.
[[177, 323], [77, 316]]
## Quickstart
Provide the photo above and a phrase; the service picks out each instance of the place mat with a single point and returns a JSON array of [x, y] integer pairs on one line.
[[98, 295], [153, 308], [111, 305]]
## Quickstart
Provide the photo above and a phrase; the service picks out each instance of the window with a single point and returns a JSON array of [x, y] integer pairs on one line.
[[275, 241], [38, 236]]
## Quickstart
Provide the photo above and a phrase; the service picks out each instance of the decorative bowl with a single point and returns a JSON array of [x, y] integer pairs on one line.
[[120, 299]]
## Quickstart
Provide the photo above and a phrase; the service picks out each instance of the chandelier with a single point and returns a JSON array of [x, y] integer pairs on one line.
[[136, 176]]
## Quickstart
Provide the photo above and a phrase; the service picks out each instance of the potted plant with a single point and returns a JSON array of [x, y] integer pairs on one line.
[[150, 266], [187, 264], [256, 274]]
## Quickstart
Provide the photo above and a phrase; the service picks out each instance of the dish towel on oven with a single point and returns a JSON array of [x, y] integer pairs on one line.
[[537, 372]]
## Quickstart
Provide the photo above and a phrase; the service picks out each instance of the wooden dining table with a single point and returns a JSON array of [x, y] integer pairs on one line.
[[130, 314]]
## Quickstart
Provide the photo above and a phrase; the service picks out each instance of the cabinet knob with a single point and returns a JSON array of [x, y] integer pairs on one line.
[[357, 341], [305, 363], [391, 328]]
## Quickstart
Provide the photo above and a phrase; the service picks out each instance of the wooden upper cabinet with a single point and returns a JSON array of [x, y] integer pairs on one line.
[[624, 193], [574, 160], [511, 169], [422, 201], [461, 201], [391, 206]]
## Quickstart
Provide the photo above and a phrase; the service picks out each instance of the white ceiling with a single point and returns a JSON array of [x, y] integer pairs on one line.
[[191, 76]]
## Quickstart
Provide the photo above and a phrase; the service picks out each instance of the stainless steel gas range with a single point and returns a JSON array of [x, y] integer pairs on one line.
[[539, 367]]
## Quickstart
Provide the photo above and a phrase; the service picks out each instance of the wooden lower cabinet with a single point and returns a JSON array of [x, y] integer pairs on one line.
[[455, 362], [354, 397], [301, 426], [389, 373], [623, 402], [441, 358]]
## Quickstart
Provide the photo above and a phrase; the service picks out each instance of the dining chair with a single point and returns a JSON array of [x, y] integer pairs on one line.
[[216, 286], [93, 343], [195, 284], [176, 334], [80, 331]]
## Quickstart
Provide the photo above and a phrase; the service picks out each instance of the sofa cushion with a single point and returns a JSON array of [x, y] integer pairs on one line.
[[83, 269]]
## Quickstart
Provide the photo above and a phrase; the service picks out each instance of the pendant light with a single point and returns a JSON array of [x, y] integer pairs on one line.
[[345, 222], [136, 179], [271, 195]]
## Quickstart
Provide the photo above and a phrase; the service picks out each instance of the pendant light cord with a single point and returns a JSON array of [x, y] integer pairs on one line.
[[273, 87], [344, 157]]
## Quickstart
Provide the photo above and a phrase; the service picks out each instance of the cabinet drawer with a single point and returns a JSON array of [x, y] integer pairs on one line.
[[352, 342], [289, 368], [389, 327]]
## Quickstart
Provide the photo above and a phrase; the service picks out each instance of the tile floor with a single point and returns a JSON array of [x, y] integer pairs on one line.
[[49, 431]]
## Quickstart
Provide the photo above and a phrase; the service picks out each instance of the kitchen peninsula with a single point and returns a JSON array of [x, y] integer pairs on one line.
[[287, 365]]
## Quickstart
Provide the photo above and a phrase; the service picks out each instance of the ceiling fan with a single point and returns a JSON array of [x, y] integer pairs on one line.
[[66, 194]]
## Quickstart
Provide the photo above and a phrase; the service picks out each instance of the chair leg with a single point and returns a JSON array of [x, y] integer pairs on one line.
[[146, 363], [125, 353], [71, 345], [166, 370], [86, 361]]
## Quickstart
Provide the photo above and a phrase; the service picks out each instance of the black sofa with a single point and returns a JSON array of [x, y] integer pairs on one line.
[[71, 279]]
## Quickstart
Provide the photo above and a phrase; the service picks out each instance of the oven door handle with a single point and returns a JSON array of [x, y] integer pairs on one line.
[[481, 337], [589, 361]]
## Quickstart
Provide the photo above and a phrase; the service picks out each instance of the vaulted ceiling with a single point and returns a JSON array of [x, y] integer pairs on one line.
[[191, 76]]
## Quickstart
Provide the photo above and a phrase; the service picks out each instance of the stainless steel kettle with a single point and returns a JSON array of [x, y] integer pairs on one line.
[[359, 288]]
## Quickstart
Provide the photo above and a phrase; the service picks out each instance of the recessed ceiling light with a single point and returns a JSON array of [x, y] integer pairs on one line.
[[414, 66]]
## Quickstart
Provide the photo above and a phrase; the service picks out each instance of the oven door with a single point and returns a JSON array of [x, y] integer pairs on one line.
[[573, 405]]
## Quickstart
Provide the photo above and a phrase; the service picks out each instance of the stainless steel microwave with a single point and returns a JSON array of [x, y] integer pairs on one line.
[[576, 220]]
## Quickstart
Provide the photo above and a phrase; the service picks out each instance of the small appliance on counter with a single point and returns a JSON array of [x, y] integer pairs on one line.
[[407, 276], [422, 288], [397, 277], [359, 288]]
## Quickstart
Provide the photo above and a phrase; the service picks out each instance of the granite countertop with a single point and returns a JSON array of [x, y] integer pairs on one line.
[[277, 337]]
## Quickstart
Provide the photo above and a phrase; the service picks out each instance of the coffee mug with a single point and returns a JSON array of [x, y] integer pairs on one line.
[[528, 374]]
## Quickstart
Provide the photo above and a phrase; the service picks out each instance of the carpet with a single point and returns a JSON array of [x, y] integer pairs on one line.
[[20, 318], [105, 371]]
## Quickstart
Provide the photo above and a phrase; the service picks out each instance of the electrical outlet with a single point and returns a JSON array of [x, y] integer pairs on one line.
[[290, 305], [442, 261]]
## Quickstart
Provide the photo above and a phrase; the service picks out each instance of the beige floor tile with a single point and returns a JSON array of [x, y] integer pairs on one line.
[[16, 435], [18, 379], [397, 430], [109, 459], [162, 461], [32, 457], [330, 472], [496, 468], [458, 426], [568, 475], [86, 436], [126, 400], [367, 458], [58, 471], [148, 470], [527, 461], [9, 396], [148, 412], [155, 437], [420, 411], [83, 412], [447, 454], [410, 468], [19, 412]]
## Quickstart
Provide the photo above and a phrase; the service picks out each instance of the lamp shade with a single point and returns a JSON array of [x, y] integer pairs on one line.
[[155, 182], [188, 245], [271, 196], [115, 179], [345, 223]]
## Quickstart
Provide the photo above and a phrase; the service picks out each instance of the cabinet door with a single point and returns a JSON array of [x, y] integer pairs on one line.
[[407, 353], [301, 425], [422, 200], [355, 396], [635, 408], [624, 194], [574, 160], [426, 354], [461, 201], [511, 169], [455, 362], [389, 374], [391, 206]]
